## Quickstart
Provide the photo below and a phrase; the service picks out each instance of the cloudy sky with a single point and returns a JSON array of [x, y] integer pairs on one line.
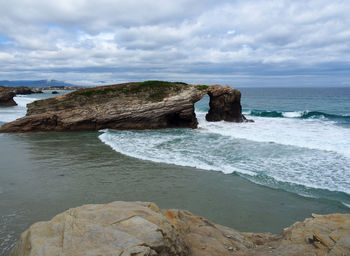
[[238, 42]]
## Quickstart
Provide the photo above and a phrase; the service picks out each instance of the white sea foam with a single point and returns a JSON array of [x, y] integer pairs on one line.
[[347, 205], [306, 133], [271, 151], [293, 114], [8, 114], [23, 100], [158, 147]]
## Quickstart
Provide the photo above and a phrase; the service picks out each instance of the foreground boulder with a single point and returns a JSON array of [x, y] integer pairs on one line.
[[139, 228], [145, 105]]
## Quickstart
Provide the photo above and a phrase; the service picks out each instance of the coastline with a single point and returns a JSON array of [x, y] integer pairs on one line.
[[47, 173], [57, 171]]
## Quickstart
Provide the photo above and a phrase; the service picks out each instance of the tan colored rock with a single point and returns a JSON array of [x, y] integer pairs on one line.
[[118, 228], [138, 228], [147, 105]]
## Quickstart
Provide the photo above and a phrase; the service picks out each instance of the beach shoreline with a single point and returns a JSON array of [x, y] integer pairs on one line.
[[57, 171]]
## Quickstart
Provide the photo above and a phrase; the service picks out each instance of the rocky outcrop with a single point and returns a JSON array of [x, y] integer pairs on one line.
[[138, 228], [225, 104], [6, 97], [23, 90], [7, 94], [145, 105]]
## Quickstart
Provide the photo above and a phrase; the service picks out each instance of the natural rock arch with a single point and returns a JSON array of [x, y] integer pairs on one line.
[[146, 105]]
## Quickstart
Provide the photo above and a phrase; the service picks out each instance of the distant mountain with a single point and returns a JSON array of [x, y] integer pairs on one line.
[[36, 83]]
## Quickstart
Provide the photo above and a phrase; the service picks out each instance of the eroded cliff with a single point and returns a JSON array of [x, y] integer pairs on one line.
[[145, 105]]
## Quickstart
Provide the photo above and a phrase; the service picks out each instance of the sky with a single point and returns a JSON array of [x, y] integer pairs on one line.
[[278, 43]]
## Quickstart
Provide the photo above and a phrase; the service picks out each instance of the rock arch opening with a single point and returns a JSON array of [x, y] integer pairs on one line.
[[202, 107]]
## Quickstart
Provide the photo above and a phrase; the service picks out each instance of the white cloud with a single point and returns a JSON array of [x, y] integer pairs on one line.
[[140, 39]]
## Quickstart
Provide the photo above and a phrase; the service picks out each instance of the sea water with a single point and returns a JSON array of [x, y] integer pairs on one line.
[[262, 176], [299, 141]]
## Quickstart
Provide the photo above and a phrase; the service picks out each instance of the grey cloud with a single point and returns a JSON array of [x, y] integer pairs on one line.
[[145, 39]]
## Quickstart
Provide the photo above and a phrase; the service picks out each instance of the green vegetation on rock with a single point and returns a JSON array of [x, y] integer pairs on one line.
[[158, 89], [92, 92], [153, 90], [202, 87]]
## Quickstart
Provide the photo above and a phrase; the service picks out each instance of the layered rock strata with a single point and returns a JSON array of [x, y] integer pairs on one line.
[[146, 105], [139, 228]]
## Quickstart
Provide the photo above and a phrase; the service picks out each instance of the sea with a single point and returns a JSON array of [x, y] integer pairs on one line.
[[261, 176]]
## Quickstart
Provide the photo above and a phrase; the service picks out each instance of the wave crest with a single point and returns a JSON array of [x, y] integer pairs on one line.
[[300, 114]]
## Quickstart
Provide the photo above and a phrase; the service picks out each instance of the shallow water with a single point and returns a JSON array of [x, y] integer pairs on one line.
[[46, 173]]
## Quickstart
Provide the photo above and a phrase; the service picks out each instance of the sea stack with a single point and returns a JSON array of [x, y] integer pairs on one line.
[[138, 105]]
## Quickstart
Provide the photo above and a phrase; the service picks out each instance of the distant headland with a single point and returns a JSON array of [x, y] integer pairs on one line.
[[48, 83]]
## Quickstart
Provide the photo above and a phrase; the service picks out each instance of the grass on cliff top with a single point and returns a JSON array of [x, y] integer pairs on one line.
[[153, 90], [202, 87]]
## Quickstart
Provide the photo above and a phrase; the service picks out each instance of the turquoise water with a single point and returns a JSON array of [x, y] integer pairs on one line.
[[263, 176]]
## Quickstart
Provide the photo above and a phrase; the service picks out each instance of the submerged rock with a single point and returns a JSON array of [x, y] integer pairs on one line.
[[139, 228], [145, 105]]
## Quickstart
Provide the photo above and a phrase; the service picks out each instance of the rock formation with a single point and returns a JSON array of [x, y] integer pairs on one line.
[[23, 90], [7, 94], [225, 104], [139, 228], [145, 105], [6, 97]]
